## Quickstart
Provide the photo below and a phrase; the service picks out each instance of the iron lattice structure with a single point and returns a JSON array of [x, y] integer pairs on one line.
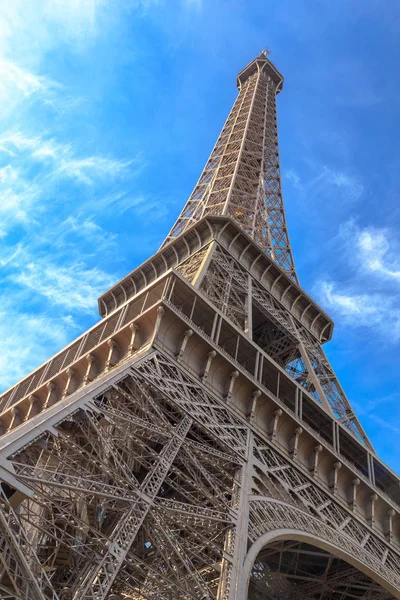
[[195, 443], [242, 178]]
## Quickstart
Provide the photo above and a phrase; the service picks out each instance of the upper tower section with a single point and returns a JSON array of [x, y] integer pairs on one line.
[[261, 62], [241, 179]]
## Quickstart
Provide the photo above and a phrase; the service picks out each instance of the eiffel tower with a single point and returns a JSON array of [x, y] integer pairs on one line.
[[195, 444]]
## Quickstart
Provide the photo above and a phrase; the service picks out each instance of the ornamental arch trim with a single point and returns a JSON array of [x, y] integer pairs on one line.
[[318, 534]]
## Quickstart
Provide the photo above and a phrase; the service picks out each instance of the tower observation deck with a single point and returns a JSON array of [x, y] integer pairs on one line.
[[196, 444]]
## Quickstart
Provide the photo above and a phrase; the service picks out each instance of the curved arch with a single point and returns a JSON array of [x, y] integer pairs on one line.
[[302, 536]]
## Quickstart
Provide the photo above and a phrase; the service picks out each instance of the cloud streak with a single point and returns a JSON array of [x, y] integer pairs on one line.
[[47, 185], [371, 310], [33, 167], [27, 339], [368, 296], [376, 254], [328, 182], [74, 287], [18, 84], [60, 159]]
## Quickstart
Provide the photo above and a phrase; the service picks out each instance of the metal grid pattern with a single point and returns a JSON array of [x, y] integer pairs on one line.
[[230, 288], [241, 178], [299, 571], [147, 489]]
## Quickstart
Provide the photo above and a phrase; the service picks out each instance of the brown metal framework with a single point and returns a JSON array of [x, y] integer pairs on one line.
[[241, 178], [196, 444]]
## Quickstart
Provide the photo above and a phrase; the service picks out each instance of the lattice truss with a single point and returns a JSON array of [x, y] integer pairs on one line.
[[231, 289], [142, 495], [191, 267], [242, 176], [299, 571], [265, 477], [130, 496]]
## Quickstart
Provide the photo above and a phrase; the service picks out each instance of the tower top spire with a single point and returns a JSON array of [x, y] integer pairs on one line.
[[261, 63]]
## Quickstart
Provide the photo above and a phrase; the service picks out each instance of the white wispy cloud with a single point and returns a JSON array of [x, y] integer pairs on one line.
[[55, 287], [32, 167], [388, 399], [17, 201], [74, 287], [85, 226], [14, 141], [27, 340], [384, 423], [47, 23], [372, 310], [294, 178], [17, 83], [327, 182], [9, 254], [29, 32], [68, 239], [90, 169], [75, 18], [367, 295], [8, 174], [61, 160], [376, 253], [373, 250], [139, 205]]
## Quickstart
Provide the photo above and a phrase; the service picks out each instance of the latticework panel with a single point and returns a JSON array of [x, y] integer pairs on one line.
[[131, 495], [230, 288], [223, 286], [145, 492], [242, 176], [190, 267]]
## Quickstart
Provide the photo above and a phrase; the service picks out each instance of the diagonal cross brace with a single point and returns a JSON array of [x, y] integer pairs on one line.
[[23, 566], [99, 579]]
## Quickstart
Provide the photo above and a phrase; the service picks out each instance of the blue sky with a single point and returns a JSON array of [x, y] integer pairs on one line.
[[109, 111]]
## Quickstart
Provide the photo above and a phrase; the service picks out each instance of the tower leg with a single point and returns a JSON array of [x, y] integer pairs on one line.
[[231, 584]]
